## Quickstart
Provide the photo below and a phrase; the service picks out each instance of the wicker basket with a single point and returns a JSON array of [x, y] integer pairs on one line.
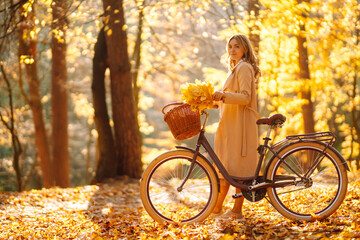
[[182, 121]]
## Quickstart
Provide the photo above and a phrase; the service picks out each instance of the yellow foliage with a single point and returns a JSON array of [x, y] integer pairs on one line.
[[45, 99], [27, 7], [82, 106], [215, 76], [27, 59], [94, 133], [4, 118], [145, 127], [350, 146], [198, 95], [59, 35]]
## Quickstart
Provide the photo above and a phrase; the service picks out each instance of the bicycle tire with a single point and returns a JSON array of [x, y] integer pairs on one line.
[[158, 188], [321, 195]]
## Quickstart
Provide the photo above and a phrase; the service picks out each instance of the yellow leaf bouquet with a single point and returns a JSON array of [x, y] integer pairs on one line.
[[198, 95]]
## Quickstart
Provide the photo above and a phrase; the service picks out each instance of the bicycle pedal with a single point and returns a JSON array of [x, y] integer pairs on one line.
[[237, 195]]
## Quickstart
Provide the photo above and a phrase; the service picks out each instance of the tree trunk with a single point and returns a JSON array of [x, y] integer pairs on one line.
[[16, 144], [355, 113], [107, 165], [136, 60], [27, 54], [126, 132], [254, 36], [59, 106], [304, 75], [305, 91], [136, 57]]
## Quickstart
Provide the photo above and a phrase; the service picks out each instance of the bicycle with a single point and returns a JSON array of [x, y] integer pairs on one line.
[[305, 178]]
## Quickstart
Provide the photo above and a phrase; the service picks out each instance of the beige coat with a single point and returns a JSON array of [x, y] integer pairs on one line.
[[236, 138]]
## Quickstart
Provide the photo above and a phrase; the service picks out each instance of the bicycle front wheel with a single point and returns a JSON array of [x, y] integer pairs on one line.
[[160, 193], [319, 181]]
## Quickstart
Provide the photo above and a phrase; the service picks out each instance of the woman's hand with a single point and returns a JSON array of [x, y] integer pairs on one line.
[[218, 96]]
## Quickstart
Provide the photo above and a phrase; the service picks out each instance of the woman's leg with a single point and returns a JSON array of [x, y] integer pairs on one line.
[[224, 188], [238, 203]]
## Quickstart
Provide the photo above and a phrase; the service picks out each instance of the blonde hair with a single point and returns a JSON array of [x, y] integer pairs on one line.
[[249, 55]]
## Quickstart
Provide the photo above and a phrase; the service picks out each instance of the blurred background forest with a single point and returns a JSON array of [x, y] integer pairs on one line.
[[308, 51]]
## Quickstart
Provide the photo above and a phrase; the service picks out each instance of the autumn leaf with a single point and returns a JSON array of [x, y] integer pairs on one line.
[[198, 95], [114, 211]]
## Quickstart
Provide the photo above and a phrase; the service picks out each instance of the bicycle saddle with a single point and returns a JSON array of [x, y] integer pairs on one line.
[[275, 119]]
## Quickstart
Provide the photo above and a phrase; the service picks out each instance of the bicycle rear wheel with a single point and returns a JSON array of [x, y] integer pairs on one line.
[[160, 182], [316, 196]]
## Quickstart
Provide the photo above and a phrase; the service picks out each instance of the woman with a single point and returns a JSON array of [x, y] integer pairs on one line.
[[236, 138]]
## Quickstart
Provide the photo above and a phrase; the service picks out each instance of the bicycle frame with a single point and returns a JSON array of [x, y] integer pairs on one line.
[[306, 162], [202, 141], [326, 138]]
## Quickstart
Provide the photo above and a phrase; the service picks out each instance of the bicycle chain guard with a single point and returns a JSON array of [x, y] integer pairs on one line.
[[254, 195]]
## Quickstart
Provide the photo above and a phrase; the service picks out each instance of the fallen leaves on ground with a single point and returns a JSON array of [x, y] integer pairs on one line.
[[114, 211]]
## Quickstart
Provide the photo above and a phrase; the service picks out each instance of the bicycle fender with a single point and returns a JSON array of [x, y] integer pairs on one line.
[[203, 157], [341, 158], [321, 143]]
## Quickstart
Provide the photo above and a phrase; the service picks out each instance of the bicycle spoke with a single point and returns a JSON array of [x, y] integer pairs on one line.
[[319, 174], [175, 205], [196, 186], [295, 190], [315, 194]]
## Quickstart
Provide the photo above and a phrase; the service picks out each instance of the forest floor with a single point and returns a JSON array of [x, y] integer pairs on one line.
[[114, 211]]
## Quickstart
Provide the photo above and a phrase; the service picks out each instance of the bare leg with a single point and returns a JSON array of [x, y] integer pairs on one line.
[[238, 203], [224, 188]]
